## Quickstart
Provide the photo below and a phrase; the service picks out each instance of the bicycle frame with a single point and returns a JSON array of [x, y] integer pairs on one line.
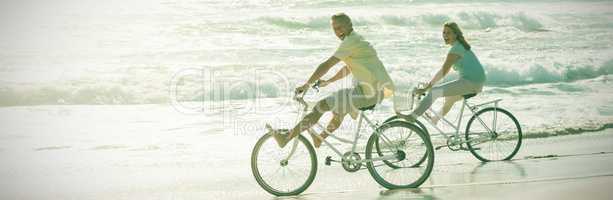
[[361, 117], [456, 127]]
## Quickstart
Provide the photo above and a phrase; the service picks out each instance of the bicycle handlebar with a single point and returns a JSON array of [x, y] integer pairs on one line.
[[300, 96]]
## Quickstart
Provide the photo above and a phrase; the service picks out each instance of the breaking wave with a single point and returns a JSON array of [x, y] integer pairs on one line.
[[193, 89], [567, 131], [501, 75], [468, 20]]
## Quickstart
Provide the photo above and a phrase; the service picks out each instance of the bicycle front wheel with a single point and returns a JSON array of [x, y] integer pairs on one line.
[[404, 145], [284, 171], [493, 134], [396, 137]]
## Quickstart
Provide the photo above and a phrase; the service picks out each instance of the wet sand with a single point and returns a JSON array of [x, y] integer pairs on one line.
[[565, 167]]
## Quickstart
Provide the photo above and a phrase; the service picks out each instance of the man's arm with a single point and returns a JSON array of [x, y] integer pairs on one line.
[[338, 76], [321, 70]]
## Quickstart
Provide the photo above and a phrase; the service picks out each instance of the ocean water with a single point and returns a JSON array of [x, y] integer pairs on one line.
[[551, 61]]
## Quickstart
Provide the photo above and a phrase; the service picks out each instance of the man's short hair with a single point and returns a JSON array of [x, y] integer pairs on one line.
[[342, 18]]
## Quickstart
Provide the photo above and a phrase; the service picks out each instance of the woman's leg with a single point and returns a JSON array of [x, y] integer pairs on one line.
[[453, 88], [449, 102]]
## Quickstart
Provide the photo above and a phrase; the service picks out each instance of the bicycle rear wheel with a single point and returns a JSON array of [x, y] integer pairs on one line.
[[279, 175], [493, 134], [404, 145]]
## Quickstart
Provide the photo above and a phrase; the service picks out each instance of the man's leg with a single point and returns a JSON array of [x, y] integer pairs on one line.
[[335, 123], [307, 122]]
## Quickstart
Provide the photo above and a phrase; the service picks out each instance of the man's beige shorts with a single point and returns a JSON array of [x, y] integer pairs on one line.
[[349, 100]]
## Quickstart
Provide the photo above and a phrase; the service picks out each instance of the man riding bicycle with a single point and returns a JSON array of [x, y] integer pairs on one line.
[[372, 83]]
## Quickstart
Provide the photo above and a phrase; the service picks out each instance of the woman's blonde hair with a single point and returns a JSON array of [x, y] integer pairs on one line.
[[456, 30]]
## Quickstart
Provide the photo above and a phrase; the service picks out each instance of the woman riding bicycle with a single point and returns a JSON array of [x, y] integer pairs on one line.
[[463, 60]]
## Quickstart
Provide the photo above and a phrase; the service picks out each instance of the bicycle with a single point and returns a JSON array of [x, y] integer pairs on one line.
[[296, 164], [483, 135]]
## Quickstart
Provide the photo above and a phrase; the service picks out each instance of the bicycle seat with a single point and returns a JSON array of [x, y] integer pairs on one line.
[[368, 107], [468, 96]]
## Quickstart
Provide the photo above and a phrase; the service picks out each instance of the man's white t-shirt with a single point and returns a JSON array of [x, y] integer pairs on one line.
[[367, 70]]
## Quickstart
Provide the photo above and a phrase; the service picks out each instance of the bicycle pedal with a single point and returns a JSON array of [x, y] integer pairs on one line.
[[464, 148], [328, 160]]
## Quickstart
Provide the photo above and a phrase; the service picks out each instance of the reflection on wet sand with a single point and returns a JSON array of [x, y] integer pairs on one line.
[[497, 171], [417, 194], [481, 173]]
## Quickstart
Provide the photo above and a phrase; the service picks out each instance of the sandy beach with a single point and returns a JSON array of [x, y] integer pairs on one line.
[[117, 158]]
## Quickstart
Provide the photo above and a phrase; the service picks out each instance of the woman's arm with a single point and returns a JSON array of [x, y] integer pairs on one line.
[[449, 61]]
